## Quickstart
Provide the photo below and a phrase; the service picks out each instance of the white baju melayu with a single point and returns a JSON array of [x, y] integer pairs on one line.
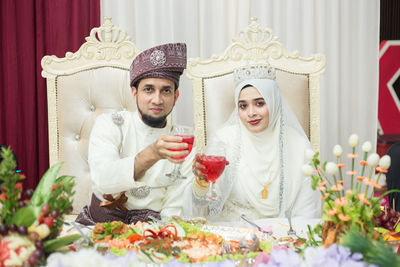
[[112, 150], [272, 159]]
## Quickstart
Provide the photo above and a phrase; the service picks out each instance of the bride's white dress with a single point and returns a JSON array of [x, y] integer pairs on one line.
[[271, 159]]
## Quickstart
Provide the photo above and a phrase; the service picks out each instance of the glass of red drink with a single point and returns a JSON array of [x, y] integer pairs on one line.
[[186, 133], [214, 161]]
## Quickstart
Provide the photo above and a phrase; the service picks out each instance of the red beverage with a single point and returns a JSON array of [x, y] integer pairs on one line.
[[215, 165], [189, 139]]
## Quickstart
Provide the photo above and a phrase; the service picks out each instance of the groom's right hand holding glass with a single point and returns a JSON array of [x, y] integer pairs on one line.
[[167, 146], [171, 147]]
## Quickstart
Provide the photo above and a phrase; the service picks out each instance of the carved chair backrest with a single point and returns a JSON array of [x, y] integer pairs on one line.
[[213, 86], [80, 87]]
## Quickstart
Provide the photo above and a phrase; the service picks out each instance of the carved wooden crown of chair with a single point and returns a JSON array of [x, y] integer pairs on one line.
[[80, 87], [213, 85]]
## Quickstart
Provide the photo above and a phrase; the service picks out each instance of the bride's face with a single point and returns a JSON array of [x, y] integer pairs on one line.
[[253, 111]]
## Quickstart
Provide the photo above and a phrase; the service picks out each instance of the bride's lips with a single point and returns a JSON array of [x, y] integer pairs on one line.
[[254, 122]]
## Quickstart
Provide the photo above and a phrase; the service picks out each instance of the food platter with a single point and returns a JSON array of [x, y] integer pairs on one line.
[[185, 241]]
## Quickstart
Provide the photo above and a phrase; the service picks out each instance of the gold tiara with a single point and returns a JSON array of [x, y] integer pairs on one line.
[[253, 72]]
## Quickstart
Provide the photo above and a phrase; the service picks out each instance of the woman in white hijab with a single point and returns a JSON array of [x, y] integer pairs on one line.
[[265, 146]]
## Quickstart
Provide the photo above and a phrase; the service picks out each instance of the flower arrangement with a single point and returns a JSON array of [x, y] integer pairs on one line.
[[29, 227], [335, 255], [353, 205]]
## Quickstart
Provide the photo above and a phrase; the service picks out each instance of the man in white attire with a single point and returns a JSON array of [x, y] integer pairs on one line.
[[265, 147], [128, 150]]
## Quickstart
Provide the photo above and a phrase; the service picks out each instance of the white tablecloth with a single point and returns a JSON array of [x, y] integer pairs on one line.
[[280, 226]]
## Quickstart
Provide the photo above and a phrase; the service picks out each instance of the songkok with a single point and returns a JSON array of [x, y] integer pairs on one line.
[[164, 61]]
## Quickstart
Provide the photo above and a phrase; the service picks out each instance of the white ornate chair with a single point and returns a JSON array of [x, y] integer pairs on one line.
[[213, 86], [81, 86]]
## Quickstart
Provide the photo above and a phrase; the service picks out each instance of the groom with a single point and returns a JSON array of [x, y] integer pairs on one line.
[[128, 150]]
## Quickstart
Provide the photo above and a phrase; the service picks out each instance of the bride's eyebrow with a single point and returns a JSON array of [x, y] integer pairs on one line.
[[256, 99]]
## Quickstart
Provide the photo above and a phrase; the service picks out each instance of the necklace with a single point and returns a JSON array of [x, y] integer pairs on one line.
[[264, 192]]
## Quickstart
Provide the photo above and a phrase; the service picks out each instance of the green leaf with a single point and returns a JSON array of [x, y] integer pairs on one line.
[[54, 244], [43, 190], [25, 216], [324, 165], [388, 192], [314, 181], [100, 236], [381, 230], [118, 251], [377, 252], [265, 245]]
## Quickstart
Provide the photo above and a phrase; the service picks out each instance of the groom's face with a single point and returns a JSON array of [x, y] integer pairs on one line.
[[155, 99]]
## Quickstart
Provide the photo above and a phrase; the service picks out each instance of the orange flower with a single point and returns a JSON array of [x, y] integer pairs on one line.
[[341, 201], [337, 187], [377, 186], [319, 170], [341, 166], [349, 192], [360, 178], [381, 170], [351, 172], [3, 197], [352, 156], [54, 186], [341, 182], [361, 197], [321, 186], [371, 182], [18, 186], [363, 162], [343, 217], [368, 182], [323, 183], [332, 211], [325, 196]]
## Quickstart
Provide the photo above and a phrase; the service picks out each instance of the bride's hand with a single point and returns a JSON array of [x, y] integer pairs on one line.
[[198, 169]]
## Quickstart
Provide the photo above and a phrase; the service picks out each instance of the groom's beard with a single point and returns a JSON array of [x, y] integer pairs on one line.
[[153, 122]]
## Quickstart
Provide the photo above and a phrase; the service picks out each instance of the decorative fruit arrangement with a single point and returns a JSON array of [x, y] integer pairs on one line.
[[30, 222], [388, 219]]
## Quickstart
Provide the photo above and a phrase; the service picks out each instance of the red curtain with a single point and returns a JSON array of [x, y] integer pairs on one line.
[[29, 30]]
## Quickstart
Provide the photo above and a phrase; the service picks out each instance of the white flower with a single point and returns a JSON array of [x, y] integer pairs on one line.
[[384, 162], [307, 170], [353, 140], [337, 150], [309, 154], [366, 147], [373, 160], [331, 168]]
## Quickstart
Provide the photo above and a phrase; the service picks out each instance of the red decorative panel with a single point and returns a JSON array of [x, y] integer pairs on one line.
[[389, 87]]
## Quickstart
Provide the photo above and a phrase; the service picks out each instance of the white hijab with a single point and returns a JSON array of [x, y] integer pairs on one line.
[[267, 156], [260, 162]]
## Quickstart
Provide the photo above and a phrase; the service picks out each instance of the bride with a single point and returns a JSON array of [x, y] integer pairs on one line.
[[265, 147]]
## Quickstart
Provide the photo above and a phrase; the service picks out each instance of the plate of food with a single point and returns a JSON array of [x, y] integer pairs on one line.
[[185, 241]]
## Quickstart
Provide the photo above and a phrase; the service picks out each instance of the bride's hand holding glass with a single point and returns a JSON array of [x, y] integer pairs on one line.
[[208, 166]]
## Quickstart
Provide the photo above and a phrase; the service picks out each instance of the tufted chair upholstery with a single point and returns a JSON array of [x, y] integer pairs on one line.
[[81, 86], [213, 86]]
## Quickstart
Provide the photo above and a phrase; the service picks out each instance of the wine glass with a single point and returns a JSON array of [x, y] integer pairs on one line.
[[186, 133], [214, 161]]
